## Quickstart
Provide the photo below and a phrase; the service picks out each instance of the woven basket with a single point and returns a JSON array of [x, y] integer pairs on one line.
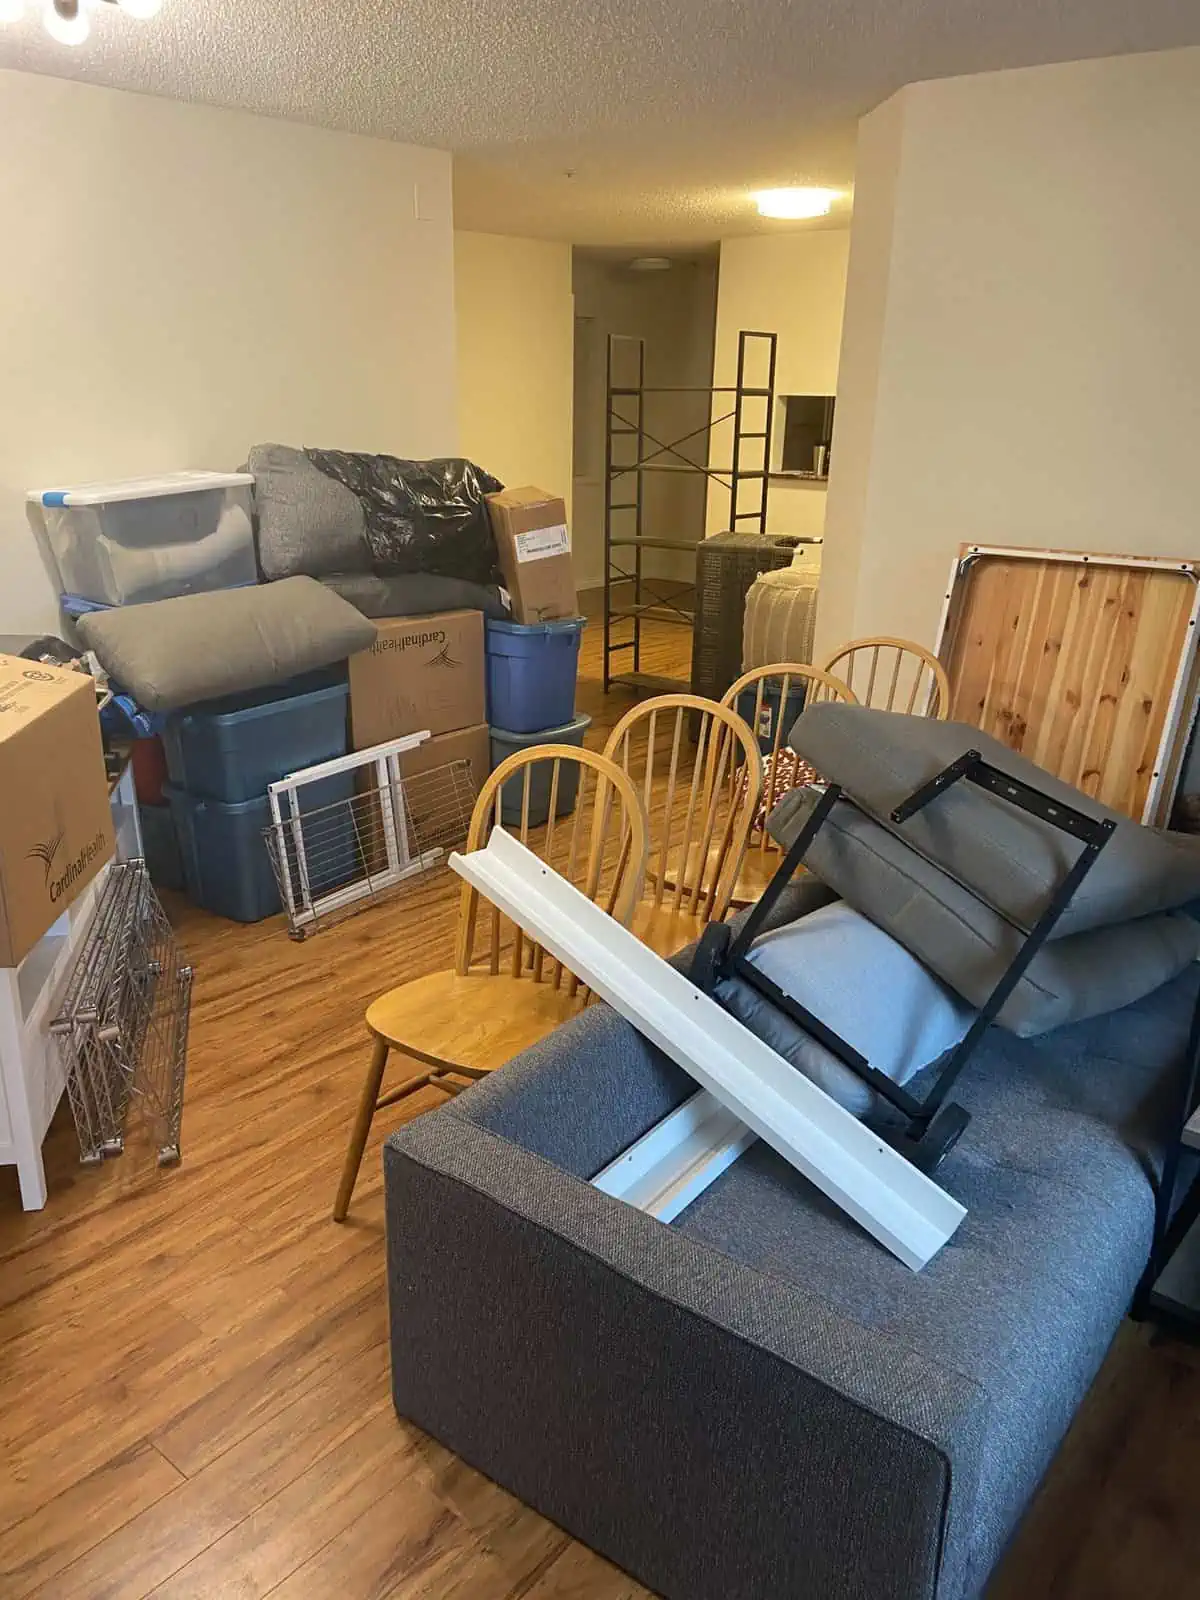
[[726, 566]]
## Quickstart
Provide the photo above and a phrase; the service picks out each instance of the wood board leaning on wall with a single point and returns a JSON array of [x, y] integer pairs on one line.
[[1085, 663]]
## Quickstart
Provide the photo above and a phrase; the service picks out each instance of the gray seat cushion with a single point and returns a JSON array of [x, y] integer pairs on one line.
[[1003, 855], [172, 653], [860, 982], [308, 523], [967, 944], [414, 594]]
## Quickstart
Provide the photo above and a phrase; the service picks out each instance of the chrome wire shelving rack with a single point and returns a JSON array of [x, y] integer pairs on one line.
[[121, 1031]]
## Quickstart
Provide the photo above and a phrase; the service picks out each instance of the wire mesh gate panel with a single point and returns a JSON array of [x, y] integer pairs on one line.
[[121, 1032], [331, 856]]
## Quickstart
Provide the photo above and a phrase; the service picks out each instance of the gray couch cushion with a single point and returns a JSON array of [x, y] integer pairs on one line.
[[860, 982], [1006, 857], [414, 594], [967, 944], [308, 523], [759, 1401], [172, 653]]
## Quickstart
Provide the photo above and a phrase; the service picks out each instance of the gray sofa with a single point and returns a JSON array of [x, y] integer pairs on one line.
[[758, 1401]]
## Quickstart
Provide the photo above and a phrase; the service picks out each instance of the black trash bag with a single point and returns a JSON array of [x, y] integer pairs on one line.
[[422, 516]]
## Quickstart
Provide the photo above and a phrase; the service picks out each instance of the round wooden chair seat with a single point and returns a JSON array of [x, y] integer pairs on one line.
[[665, 931], [478, 1021]]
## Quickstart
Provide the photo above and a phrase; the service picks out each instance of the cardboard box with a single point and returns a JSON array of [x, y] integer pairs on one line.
[[534, 546], [464, 744], [421, 673], [56, 829], [439, 802]]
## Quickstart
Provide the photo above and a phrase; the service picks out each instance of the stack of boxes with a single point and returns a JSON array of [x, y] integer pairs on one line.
[[423, 674], [533, 661]]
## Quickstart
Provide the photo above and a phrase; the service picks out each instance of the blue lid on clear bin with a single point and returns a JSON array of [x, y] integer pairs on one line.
[[103, 494]]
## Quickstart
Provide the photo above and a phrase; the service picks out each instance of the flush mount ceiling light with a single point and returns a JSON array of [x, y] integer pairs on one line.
[[67, 20], [650, 264], [793, 205]]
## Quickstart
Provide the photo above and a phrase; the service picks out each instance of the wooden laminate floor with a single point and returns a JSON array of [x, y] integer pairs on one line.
[[193, 1364]]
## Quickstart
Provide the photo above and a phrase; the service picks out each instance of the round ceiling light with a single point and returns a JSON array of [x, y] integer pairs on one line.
[[68, 22], [793, 205], [650, 264]]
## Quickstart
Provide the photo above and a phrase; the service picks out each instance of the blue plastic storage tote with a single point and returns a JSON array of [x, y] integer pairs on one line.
[[231, 749], [226, 863], [531, 671], [768, 712], [512, 796]]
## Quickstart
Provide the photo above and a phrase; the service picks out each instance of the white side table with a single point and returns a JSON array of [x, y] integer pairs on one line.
[[31, 1079]]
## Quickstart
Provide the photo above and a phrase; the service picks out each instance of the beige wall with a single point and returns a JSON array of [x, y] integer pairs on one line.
[[179, 282], [792, 284], [674, 313], [1021, 362], [514, 312]]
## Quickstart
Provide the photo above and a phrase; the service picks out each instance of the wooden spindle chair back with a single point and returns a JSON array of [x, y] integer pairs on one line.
[[699, 822], [894, 675], [600, 846], [771, 720]]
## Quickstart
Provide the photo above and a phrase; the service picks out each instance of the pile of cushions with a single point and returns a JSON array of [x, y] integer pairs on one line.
[[961, 882], [310, 524]]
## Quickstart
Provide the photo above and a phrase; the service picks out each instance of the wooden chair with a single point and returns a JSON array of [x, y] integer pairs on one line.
[[699, 819], [894, 675], [463, 1023], [771, 720]]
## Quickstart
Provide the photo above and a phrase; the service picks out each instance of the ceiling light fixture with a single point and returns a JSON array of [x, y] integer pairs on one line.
[[650, 264], [67, 21], [793, 205]]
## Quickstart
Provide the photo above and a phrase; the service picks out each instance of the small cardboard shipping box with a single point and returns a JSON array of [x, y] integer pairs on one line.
[[55, 820], [421, 673], [530, 527]]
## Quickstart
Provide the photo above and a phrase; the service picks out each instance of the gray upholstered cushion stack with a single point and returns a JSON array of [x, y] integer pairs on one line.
[[959, 883], [309, 523]]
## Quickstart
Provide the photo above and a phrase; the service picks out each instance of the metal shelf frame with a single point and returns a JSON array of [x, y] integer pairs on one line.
[[752, 412]]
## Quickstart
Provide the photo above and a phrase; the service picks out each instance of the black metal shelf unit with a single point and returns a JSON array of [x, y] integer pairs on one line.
[[645, 598]]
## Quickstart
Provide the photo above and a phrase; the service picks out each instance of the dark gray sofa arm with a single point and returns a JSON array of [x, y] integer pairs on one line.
[[717, 1431]]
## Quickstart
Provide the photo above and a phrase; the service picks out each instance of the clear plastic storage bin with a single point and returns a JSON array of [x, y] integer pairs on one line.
[[149, 538]]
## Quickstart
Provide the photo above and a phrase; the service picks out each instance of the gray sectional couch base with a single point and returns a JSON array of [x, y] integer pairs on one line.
[[758, 1401]]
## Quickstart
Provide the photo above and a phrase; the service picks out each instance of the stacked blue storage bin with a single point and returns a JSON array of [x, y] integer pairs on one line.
[[531, 674], [220, 758]]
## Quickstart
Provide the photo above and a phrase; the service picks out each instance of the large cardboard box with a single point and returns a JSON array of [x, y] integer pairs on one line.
[[421, 673], [530, 527], [464, 744], [56, 827], [440, 802]]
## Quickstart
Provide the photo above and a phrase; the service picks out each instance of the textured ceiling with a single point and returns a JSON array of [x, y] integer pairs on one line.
[[639, 122]]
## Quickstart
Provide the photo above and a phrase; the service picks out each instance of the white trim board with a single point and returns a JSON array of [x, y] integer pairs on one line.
[[664, 1170], [897, 1204]]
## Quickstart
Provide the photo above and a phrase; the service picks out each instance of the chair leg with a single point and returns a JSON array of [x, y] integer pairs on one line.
[[362, 1126]]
